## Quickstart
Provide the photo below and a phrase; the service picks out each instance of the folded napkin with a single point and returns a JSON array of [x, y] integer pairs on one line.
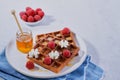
[[87, 71]]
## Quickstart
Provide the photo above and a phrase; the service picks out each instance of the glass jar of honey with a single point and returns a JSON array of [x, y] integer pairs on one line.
[[24, 40]]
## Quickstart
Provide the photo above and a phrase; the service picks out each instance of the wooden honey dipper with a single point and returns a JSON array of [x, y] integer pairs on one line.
[[13, 13]]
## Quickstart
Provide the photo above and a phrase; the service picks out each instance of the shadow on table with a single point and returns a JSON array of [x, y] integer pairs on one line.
[[47, 20], [92, 51]]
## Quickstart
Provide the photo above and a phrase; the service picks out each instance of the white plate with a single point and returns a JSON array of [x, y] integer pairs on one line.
[[18, 60]]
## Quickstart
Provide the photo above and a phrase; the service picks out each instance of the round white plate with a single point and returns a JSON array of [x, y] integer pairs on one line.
[[18, 60]]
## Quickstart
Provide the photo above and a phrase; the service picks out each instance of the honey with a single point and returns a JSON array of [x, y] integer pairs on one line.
[[24, 42], [69, 64]]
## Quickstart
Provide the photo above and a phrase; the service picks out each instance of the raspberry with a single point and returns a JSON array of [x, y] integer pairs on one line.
[[27, 8], [66, 53], [35, 13], [22, 13], [30, 12], [47, 60], [37, 17], [41, 13], [65, 31], [30, 19], [30, 65], [24, 17], [51, 44], [38, 9]]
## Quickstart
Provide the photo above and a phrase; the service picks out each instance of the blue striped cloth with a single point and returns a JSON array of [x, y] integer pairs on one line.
[[87, 71]]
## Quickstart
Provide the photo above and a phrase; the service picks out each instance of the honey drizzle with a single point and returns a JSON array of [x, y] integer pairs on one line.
[[40, 70], [70, 63]]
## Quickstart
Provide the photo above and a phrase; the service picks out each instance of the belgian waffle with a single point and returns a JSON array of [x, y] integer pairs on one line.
[[41, 44]]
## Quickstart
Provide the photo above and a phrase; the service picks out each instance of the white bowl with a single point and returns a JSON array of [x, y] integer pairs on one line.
[[33, 23]]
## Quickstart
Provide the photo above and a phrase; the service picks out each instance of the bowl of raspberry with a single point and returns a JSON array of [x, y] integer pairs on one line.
[[32, 16]]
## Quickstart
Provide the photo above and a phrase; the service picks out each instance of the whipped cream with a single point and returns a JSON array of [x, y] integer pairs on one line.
[[54, 55], [63, 43], [33, 53]]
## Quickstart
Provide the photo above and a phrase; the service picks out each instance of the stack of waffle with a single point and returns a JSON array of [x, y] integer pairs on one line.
[[58, 64]]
